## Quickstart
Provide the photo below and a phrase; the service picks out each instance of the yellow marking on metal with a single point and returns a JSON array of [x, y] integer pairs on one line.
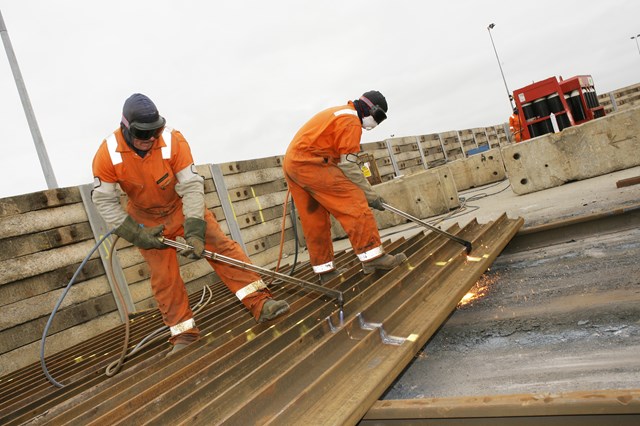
[[79, 359], [107, 245], [233, 211], [412, 337], [474, 259], [441, 263], [258, 203]]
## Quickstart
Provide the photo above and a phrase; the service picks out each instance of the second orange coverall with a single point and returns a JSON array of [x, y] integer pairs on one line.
[[150, 183], [320, 188], [515, 127]]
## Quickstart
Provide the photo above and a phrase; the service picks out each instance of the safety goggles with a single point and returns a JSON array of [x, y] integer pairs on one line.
[[378, 114], [145, 135]]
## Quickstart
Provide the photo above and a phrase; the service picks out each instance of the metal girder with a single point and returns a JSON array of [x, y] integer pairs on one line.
[[312, 366], [620, 407]]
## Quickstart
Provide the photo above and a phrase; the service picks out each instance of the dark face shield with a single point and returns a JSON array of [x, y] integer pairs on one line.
[[144, 135], [378, 114]]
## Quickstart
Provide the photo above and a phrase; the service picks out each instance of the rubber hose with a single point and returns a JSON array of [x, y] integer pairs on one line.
[[57, 306]]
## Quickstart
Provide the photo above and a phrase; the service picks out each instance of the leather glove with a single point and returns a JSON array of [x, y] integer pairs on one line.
[[139, 235], [194, 230], [377, 203]]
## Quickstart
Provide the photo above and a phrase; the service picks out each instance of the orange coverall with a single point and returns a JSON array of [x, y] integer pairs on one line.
[[319, 187], [515, 127], [149, 183]]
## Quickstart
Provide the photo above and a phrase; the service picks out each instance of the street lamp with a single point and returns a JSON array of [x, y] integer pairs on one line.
[[489, 28], [636, 38], [41, 150]]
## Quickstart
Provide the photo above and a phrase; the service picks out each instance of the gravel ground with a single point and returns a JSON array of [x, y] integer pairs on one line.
[[554, 319]]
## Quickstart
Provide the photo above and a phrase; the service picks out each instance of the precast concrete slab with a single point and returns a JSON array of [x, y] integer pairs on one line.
[[478, 169], [592, 149]]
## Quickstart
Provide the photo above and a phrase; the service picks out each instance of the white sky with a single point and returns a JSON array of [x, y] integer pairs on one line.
[[239, 78]]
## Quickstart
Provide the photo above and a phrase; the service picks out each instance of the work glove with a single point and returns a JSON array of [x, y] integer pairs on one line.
[[139, 235], [377, 203], [354, 174], [194, 230]]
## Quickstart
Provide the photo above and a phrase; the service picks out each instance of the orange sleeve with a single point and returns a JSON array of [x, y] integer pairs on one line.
[[102, 165]]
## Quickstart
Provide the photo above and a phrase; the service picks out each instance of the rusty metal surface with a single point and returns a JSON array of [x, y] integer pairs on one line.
[[620, 407], [309, 367]]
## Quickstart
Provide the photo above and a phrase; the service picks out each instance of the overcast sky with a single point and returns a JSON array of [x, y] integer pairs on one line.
[[239, 78]]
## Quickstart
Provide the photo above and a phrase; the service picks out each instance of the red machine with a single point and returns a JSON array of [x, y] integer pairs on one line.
[[572, 101]]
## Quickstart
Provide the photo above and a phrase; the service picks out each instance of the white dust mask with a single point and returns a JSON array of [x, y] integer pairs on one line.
[[368, 123]]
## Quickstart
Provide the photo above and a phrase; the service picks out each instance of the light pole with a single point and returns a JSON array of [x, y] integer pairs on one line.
[[45, 164], [636, 38], [499, 65]]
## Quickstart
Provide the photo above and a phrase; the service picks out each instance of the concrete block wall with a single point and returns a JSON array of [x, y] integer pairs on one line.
[[621, 99], [44, 237], [399, 156]]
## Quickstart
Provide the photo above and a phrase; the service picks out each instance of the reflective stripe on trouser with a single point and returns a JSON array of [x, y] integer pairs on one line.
[[371, 254], [250, 288], [182, 327], [167, 284], [325, 267], [320, 189]]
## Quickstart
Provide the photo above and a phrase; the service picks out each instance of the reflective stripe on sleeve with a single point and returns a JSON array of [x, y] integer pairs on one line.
[[166, 150], [325, 267], [371, 254], [104, 187], [187, 174], [345, 111], [250, 288], [112, 146], [182, 327]]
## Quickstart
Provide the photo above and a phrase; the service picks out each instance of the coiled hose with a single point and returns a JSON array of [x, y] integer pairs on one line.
[[115, 366]]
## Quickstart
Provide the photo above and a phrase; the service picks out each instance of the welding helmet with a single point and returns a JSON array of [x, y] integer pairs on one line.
[[141, 118]]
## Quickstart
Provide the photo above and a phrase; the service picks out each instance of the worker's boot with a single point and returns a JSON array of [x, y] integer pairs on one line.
[[328, 276], [272, 309], [177, 348], [383, 263]]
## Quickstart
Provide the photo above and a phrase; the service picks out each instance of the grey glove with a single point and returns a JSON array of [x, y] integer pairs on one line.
[[377, 203], [194, 230], [140, 236]]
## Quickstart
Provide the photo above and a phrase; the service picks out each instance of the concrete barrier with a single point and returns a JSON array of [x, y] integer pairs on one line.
[[594, 148], [478, 169]]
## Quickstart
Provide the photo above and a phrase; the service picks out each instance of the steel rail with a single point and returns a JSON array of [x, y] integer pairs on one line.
[[306, 367], [216, 399], [243, 372], [597, 407]]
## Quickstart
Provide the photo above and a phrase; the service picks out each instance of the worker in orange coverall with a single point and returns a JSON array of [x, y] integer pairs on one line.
[[153, 165], [515, 126], [324, 179]]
